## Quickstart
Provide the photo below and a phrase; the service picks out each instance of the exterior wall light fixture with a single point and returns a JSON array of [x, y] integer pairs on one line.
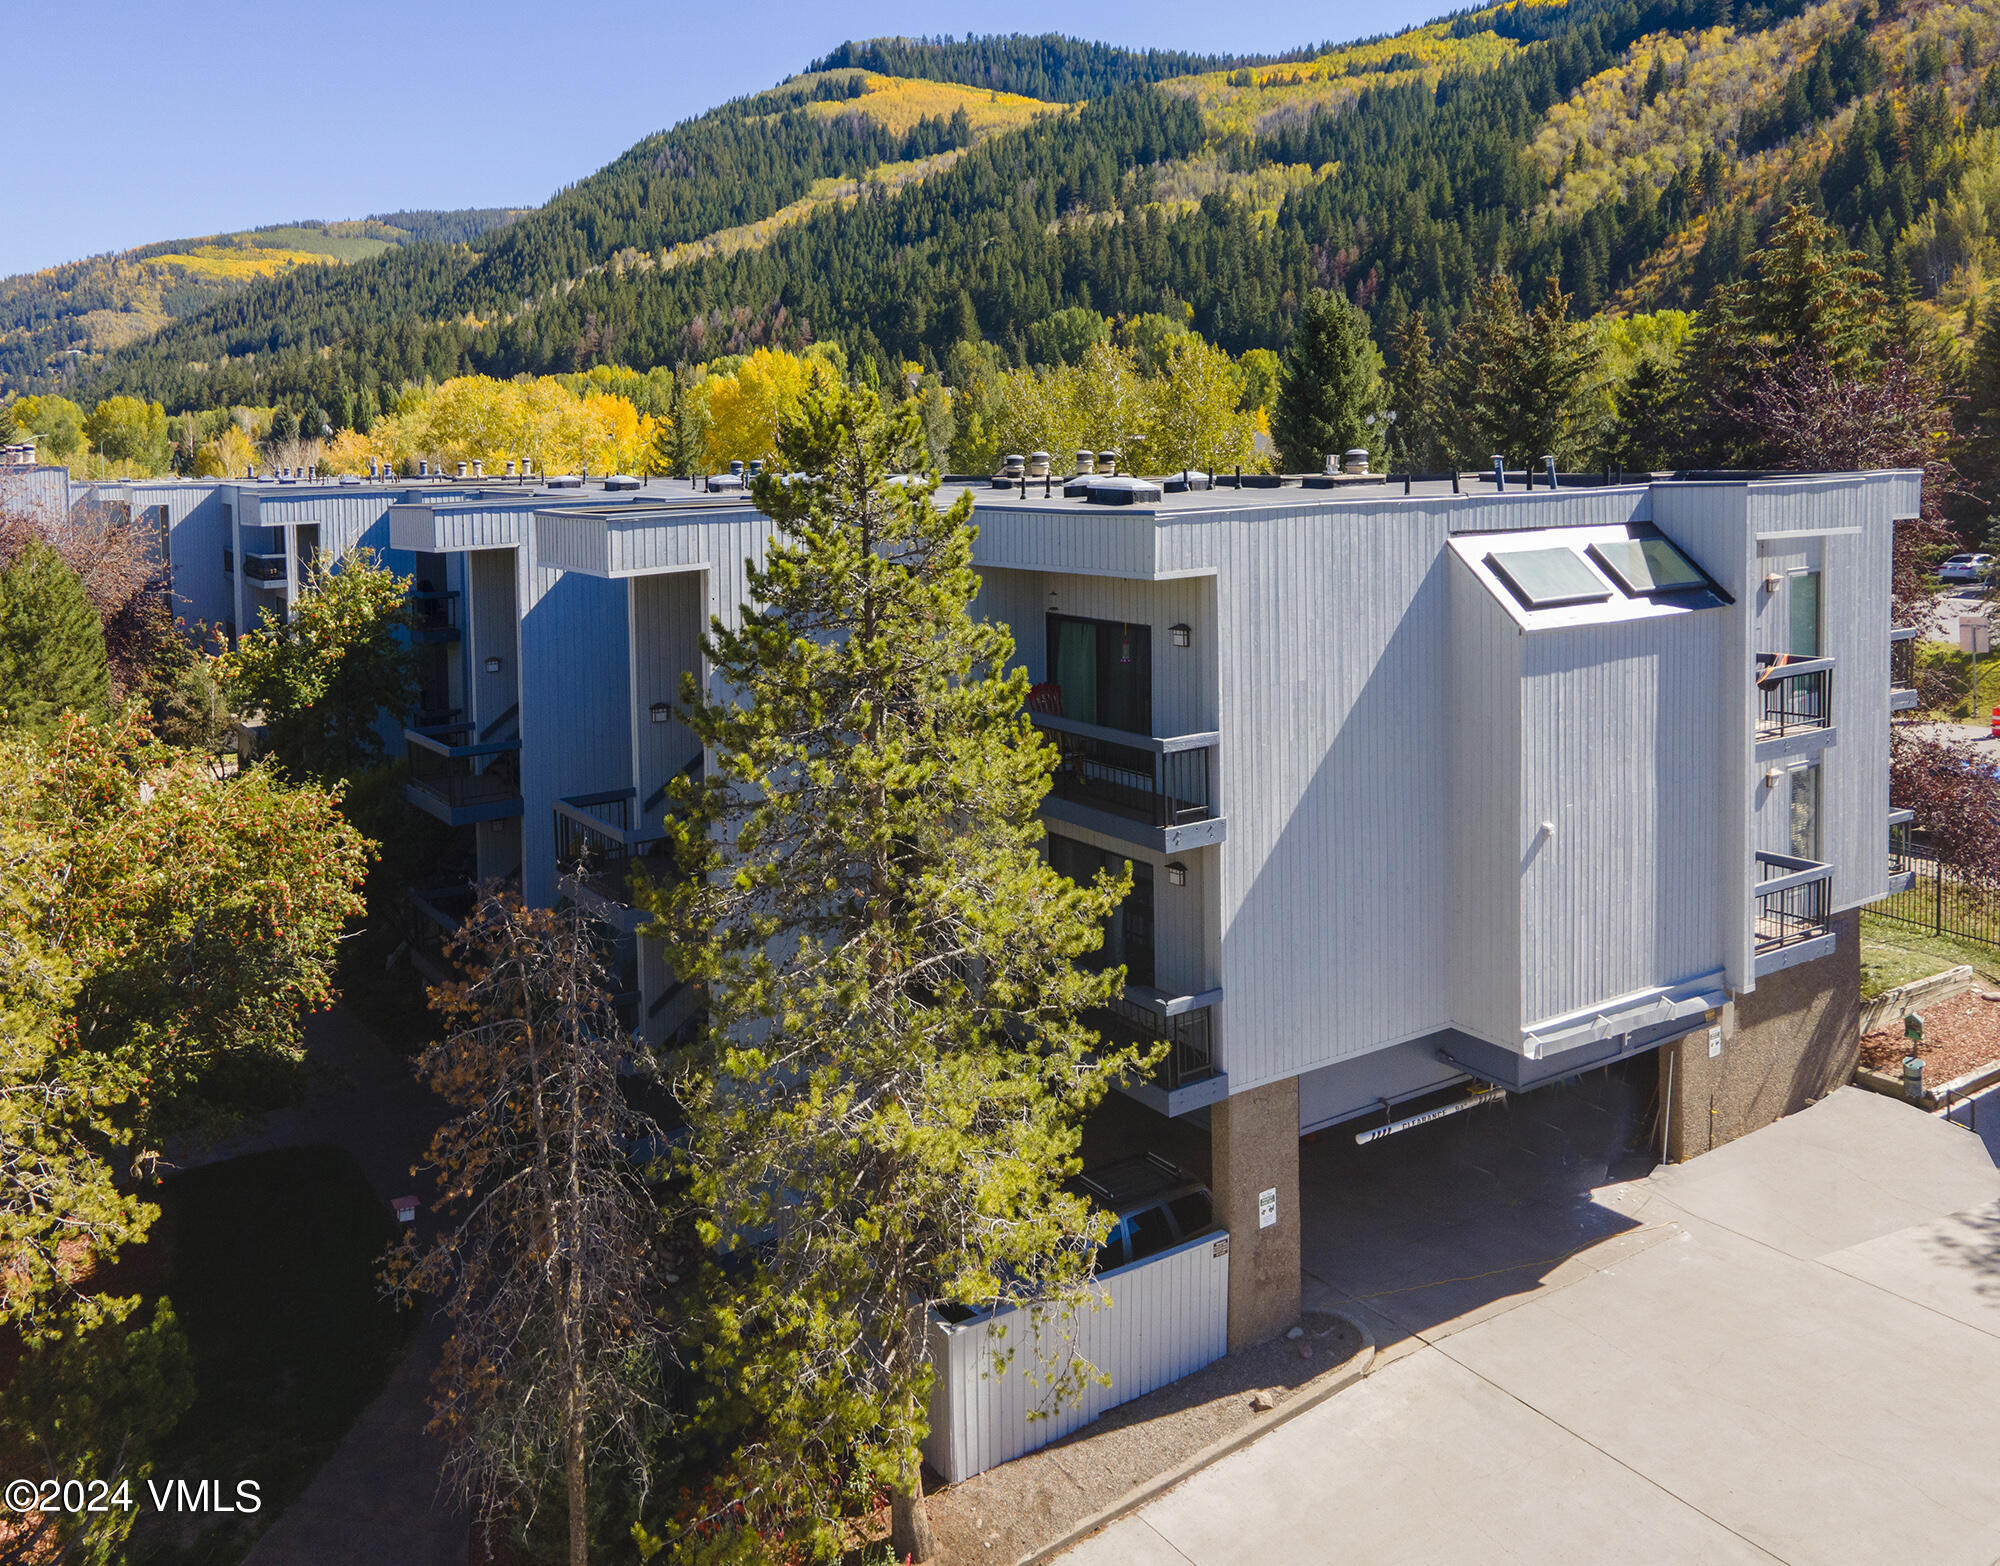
[[493, 665], [661, 711], [1177, 874], [1181, 634]]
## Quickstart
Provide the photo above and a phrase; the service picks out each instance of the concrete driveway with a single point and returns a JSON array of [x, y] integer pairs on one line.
[[1784, 1351]]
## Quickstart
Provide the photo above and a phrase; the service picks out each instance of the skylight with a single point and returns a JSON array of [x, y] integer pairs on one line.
[[1548, 578], [1647, 565]]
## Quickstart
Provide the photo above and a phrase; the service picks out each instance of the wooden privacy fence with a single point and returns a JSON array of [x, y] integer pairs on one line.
[[1154, 1322]]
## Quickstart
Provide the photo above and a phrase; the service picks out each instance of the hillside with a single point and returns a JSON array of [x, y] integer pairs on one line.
[[904, 194], [105, 302]]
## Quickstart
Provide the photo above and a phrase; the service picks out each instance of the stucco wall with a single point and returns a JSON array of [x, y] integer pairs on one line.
[[1790, 1042]]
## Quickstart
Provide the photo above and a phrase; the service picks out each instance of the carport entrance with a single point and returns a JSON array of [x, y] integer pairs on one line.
[[1425, 1226]]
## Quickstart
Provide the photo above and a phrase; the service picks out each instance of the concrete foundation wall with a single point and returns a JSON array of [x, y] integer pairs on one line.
[[1787, 1044], [1254, 1148]]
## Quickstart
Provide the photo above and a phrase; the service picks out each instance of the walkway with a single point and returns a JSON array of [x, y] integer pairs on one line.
[[1785, 1352], [376, 1499]]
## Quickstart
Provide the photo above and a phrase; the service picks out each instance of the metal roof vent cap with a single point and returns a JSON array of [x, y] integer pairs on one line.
[[423, 470], [462, 469], [1357, 459], [1086, 461], [1107, 460], [479, 467], [1124, 491], [1038, 464]]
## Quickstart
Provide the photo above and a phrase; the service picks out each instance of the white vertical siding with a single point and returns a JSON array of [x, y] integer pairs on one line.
[[1621, 743], [1157, 1320], [1479, 964], [1333, 705]]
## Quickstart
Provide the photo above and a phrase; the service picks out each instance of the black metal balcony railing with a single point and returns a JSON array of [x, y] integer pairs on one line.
[[1902, 856], [434, 617], [1139, 1016], [1793, 696], [1161, 782], [264, 568], [1903, 657], [435, 916], [447, 763], [596, 843], [1794, 899]]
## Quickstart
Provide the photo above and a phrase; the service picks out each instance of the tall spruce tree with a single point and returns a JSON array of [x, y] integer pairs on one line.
[[1548, 380], [1481, 403], [888, 1100], [1323, 389], [1416, 396], [52, 656]]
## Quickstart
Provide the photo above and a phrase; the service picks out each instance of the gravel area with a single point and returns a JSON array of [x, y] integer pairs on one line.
[[1960, 1035], [1012, 1511]]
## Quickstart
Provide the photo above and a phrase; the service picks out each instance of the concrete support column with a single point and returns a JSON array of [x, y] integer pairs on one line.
[[1254, 1148], [1786, 1044]]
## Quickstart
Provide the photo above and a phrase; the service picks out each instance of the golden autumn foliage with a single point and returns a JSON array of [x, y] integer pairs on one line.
[[477, 418], [746, 405]]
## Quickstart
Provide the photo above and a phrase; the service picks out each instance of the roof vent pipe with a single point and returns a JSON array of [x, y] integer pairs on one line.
[[479, 467], [1038, 464], [511, 467], [1499, 474], [1107, 460], [1549, 468], [1357, 459], [1086, 462], [461, 470], [424, 469], [374, 468]]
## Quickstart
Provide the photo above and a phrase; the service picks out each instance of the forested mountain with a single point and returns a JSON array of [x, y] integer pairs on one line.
[[104, 302], [906, 195]]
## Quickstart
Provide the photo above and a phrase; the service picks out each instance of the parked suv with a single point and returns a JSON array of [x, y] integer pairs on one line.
[[1155, 1202]]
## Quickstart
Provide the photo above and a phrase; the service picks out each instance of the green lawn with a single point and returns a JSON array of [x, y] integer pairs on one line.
[[270, 1263], [1894, 953], [1933, 656]]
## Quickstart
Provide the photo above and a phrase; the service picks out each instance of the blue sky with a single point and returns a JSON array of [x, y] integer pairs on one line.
[[136, 122]]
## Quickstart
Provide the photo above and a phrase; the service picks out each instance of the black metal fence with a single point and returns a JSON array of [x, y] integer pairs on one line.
[[1940, 902]]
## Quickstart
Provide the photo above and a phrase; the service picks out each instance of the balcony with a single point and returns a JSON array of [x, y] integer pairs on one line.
[[1902, 858], [1903, 668], [1794, 705], [434, 918], [1187, 1078], [460, 779], [268, 569], [1153, 793], [433, 618], [1794, 919], [602, 853]]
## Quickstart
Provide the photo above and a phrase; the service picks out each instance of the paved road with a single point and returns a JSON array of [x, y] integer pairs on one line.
[[1785, 1352], [375, 1502]]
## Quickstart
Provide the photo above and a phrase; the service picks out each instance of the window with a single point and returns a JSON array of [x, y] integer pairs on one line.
[[1647, 565], [1151, 1233], [1548, 578], [1805, 614], [1805, 812], [1193, 1213], [305, 551], [1105, 671], [1128, 933]]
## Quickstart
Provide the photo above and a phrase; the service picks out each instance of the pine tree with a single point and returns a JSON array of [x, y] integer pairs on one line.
[[1416, 396], [52, 655], [1548, 382], [1481, 404], [1323, 389], [888, 1101]]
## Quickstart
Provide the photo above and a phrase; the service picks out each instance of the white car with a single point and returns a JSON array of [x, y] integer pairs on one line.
[[1966, 568]]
